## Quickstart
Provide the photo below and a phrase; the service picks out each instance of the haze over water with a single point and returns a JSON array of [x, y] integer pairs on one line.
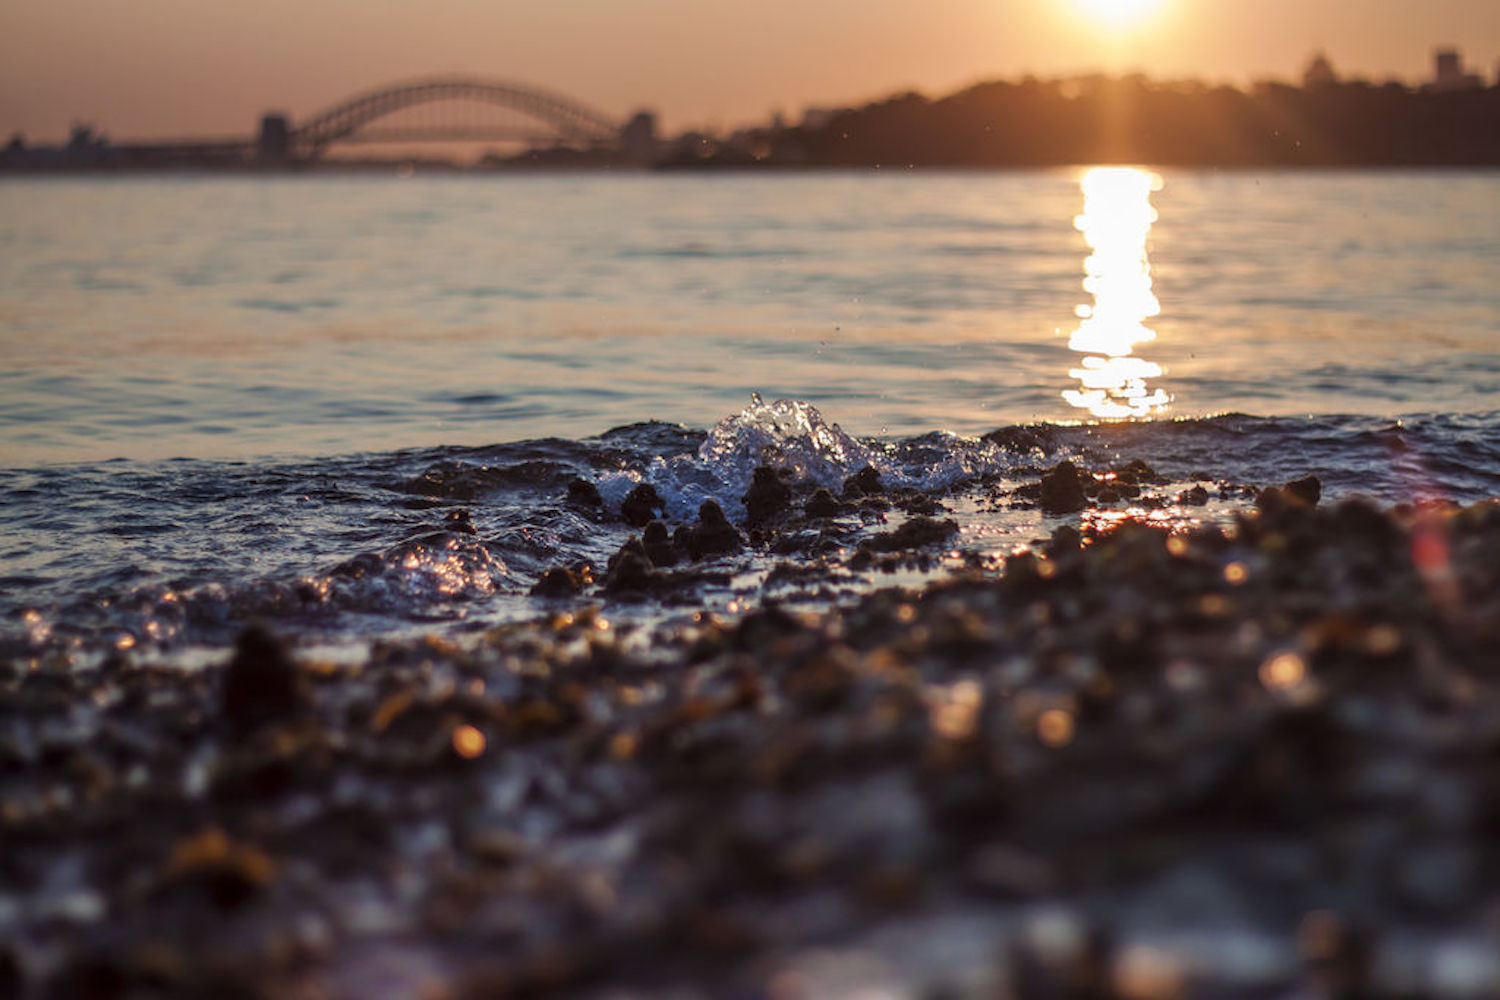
[[225, 317]]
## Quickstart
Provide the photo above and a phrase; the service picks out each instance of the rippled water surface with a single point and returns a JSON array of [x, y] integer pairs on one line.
[[223, 398], [228, 317]]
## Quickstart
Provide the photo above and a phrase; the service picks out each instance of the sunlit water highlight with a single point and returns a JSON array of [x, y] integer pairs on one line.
[[1116, 221]]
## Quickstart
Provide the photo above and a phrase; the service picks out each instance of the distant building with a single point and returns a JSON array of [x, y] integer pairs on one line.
[[274, 146], [1448, 72], [1319, 73], [639, 138]]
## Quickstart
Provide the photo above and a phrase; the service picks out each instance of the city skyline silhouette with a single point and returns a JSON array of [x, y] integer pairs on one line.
[[160, 68]]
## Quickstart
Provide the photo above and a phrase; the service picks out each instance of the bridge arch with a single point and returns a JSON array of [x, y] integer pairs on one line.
[[570, 120]]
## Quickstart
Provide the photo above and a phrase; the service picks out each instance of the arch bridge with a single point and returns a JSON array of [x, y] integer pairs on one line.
[[544, 116]]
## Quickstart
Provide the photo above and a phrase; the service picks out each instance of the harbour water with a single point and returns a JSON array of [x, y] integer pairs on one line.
[[217, 391]]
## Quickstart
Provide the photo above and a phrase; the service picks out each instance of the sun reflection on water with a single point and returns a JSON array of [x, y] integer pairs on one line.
[[1116, 219]]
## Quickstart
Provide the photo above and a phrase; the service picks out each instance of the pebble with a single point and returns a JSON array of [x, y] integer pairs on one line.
[[262, 685]]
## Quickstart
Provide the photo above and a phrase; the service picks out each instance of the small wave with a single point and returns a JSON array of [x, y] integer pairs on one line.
[[702, 251]]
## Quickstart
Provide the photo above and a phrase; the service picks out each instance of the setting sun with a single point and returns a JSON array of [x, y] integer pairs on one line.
[[1119, 13]]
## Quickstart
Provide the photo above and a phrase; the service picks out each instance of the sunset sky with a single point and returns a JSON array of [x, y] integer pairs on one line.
[[164, 68]]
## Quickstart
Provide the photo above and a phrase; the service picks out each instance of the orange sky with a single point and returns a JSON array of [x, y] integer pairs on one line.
[[164, 68]]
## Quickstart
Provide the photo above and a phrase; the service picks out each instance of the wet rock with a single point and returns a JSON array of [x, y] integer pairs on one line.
[[630, 569], [1299, 493], [914, 534], [366, 564], [226, 873], [10, 974], [658, 545], [822, 504], [460, 521], [1308, 489], [713, 535], [1061, 957], [582, 493], [559, 581], [917, 502], [1062, 489], [1136, 473], [864, 483], [767, 498], [88, 976], [1338, 954], [1064, 540], [641, 505], [262, 685], [1195, 497]]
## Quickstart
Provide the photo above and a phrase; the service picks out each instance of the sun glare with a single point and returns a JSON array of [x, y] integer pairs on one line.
[[1119, 13], [1116, 222]]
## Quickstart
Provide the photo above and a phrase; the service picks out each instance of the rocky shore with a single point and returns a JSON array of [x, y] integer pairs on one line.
[[1252, 756]]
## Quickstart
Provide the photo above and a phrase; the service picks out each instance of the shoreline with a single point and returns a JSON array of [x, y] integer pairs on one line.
[[1272, 736]]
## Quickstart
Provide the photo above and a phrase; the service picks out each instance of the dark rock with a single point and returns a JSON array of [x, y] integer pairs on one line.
[[864, 483], [1308, 489], [768, 496], [1136, 472], [10, 974], [558, 582], [1297, 494], [212, 868], [363, 565], [641, 505], [460, 521], [1195, 497], [1062, 489], [630, 569], [713, 534], [1064, 540], [919, 503], [658, 545], [1339, 954], [822, 504], [582, 493], [262, 685], [88, 976], [914, 534]]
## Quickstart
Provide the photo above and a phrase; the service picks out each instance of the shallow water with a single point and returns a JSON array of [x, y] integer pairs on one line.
[[389, 341]]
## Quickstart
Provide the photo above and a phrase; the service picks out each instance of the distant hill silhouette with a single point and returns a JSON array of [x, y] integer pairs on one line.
[[1134, 120]]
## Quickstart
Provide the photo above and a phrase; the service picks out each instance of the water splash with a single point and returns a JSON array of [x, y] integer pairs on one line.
[[788, 434], [1116, 221]]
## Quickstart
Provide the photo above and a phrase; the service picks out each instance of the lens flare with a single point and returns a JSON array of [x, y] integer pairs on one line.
[[1119, 13], [1116, 220]]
